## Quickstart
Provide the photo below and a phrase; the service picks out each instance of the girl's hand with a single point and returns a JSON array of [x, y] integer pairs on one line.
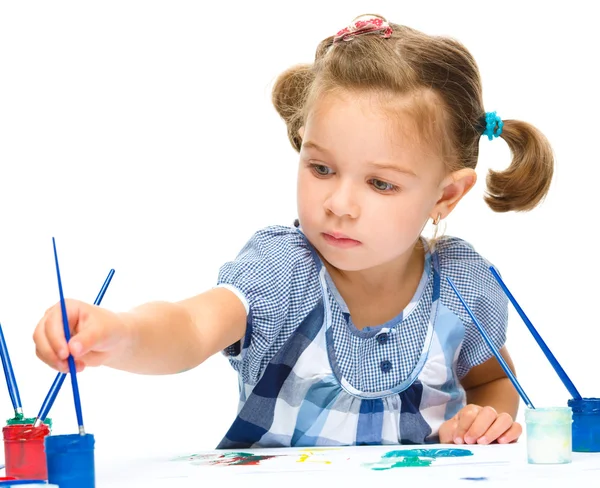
[[96, 335], [479, 425]]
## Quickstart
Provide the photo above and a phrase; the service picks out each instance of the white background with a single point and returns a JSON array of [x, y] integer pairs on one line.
[[141, 136]]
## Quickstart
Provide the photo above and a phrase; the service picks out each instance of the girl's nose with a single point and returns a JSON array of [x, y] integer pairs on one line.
[[342, 201]]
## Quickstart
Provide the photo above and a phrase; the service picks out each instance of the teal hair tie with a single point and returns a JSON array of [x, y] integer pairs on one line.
[[493, 125]]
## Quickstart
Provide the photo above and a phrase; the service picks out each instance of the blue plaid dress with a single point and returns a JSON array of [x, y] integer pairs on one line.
[[309, 377]]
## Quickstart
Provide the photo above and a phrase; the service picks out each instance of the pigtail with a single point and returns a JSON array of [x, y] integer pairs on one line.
[[288, 97], [525, 183]]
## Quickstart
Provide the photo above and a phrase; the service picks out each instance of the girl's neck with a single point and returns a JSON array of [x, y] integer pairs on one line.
[[379, 294]]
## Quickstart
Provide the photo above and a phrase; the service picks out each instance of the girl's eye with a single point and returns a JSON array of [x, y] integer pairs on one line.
[[383, 186], [321, 169]]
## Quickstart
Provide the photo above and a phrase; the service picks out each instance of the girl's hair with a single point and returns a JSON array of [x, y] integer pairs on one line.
[[442, 79]]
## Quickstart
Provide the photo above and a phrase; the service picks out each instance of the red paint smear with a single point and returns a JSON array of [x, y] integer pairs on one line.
[[240, 459]]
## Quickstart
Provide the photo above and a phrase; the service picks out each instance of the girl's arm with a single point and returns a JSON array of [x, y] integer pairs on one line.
[[166, 338], [488, 385], [154, 338], [492, 404]]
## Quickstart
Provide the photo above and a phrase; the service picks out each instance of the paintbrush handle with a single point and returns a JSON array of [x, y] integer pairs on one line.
[[546, 350], [102, 291], [50, 397], [11, 382], [491, 345], [71, 361]]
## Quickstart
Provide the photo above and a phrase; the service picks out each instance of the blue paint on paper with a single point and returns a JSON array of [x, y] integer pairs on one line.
[[429, 453]]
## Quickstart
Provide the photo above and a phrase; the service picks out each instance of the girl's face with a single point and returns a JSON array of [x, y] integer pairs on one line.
[[366, 188]]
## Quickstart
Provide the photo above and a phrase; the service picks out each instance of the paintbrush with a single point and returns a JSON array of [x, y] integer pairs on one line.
[[71, 361], [11, 381], [491, 345], [553, 361], [60, 377]]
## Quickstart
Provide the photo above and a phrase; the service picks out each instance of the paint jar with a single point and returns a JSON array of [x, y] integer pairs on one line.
[[70, 460], [549, 435], [586, 424], [24, 451]]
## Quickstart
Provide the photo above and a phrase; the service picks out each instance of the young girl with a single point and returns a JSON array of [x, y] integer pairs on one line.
[[343, 328]]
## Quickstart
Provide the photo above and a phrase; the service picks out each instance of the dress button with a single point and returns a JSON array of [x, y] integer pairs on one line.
[[382, 338], [386, 366]]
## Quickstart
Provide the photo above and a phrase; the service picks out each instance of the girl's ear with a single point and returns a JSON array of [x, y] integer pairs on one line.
[[301, 132], [454, 187]]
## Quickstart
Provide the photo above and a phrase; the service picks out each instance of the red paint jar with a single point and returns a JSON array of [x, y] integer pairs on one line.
[[24, 454]]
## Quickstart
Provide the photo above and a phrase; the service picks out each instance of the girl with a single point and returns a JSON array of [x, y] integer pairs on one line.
[[342, 327]]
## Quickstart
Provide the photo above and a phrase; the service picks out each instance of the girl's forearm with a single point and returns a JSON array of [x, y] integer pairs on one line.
[[499, 394], [161, 338], [166, 338]]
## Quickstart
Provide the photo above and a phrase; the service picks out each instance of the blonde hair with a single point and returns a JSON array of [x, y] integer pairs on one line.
[[410, 62]]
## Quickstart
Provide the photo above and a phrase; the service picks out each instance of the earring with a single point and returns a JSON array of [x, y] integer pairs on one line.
[[436, 221]]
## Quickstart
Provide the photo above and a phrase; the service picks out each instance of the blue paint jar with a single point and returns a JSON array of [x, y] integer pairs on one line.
[[70, 460], [586, 424]]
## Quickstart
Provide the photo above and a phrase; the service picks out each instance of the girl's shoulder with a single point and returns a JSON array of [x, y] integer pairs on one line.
[[277, 243], [272, 254], [280, 234], [470, 272], [457, 255]]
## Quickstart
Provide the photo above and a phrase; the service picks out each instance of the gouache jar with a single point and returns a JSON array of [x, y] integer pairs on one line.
[[24, 451], [549, 435], [70, 460], [586, 424]]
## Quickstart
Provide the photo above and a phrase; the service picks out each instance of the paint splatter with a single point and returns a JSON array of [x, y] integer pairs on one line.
[[196, 457], [240, 459], [414, 458], [405, 462], [309, 456], [227, 459], [430, 453], [315, 455]]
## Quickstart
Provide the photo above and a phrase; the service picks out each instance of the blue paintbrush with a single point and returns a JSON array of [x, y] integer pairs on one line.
[[491, 345], [553, 361], [60, 377], [71, 361], [11, 382]]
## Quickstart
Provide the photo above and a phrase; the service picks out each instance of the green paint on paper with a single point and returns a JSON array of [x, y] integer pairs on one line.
[[405, 462], [409, 458], [429, 453]]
